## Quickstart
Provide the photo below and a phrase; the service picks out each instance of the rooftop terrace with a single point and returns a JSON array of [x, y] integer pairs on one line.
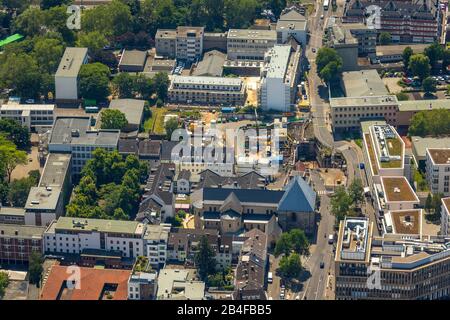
[[398, 189]]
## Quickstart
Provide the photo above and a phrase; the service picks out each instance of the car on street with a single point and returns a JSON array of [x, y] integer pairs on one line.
[[313, 50], [270, 277], [322, 265]]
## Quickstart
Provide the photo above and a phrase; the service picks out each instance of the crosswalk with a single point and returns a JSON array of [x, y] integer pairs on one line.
[[322, 192]]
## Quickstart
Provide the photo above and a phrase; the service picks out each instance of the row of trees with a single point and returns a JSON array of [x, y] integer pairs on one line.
[[430, 122], [329, 65], [345, 202], [291, 245], [109, 187], [131, 86], [420, 64]]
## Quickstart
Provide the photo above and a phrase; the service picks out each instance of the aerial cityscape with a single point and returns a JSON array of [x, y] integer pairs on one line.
[[232, 150]]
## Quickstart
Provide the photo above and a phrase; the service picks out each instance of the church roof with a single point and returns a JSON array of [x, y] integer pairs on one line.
[[298, 197]]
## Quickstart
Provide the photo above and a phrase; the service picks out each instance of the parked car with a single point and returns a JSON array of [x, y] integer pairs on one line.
[[322, 265]]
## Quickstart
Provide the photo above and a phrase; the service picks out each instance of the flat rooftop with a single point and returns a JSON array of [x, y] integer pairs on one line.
[[279, 61], [385, 100], [389, 147], [99, 225], [421, 105], [406, 221], [420, 145], [133, 58], [353, 239], [363, 83], [398, 189], [446, 202], [76, 130], [132, 108], [249, 34], [291, 25], [55, 170], [440, 156], [166, 33], [212, 81], [183, 31], [43, 198], [21, 231], [27, 107], [71, 62]]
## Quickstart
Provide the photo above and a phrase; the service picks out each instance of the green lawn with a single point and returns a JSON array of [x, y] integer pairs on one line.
[[394, 146], [155, 124]]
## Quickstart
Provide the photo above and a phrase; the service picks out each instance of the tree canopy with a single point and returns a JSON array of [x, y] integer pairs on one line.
[[10, 158], [385, 38], [113, 119], [419, 64], [204, 259], [4, 282], [430, 122], [94, 81], [17, 133], [293, 241], [329, 64], [290, 266]]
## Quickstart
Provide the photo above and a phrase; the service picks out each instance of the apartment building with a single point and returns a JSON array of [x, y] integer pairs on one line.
[[394, 193], [66, 77], [404, 222], [249, 44], [437, 170], [74, 135], [384, 153], [393, 266], [48, 200], [445, 216], [178, 284], [17, 242], [406, 21], [156, 239], [207, 90], [184, 43], [69, 235], [279, 78], [365, 98], [143, 281], [35, 117]]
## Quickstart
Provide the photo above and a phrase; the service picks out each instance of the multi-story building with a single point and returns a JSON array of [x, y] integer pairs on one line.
[[177, 284], [395, 266], [405, 21], [185, 43], [365, 98], [143, 281], [156, 238], [279, 77], [207, 90], [438, 170], [66, 77], [73, 235], [74, 135], [292, 24], [394, 193], [445, 216], [248, 44], [17, 242], [47, 201], [35, 117], [384, 153]]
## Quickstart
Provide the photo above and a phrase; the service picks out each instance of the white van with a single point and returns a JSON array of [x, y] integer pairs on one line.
[[269, 277]]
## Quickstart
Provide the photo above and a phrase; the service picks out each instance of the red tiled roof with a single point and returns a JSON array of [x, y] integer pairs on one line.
[[92, 283]]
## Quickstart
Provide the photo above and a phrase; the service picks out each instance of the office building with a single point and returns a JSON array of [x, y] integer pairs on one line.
[[66, 77], [437, 170], [17, 242], [279, 77], [292, 24], [184, 43], [248, 44], [36, 117]]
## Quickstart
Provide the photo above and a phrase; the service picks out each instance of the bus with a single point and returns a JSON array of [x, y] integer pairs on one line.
[[325, 4]]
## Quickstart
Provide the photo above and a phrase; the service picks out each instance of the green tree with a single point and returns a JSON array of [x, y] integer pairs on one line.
[[340, 203], [429, 203], [204, 259], [239, 13], [4, 282], [94, 81], [356, 191], [124, 83], [430, 122], [35, 268], [445, 59], [170, 126], [112, 19], [31, 22], [113, 119], [419, 65], [48, 52], [385, 38], [434, 52], [290, 266], [429, 85], [407, 53], [10, 157], [293, 241], [161, 84], [437, 205], [15, 132], [21, 73], [283, 245], [329, 64], [94, 41], [19, 190], [47, 4]]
